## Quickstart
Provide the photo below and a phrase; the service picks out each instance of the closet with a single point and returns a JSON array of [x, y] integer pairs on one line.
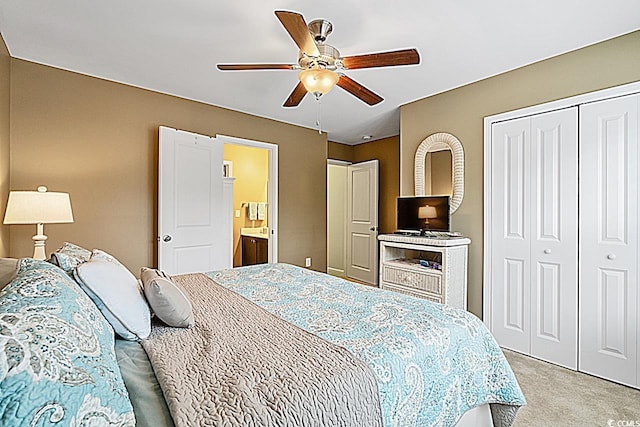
[[561, 232]]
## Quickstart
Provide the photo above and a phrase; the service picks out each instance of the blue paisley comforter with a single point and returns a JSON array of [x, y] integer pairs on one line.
[[432, 362]]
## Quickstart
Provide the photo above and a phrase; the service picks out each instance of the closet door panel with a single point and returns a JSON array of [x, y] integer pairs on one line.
[[510, 241], [554, 237], [609, 239]]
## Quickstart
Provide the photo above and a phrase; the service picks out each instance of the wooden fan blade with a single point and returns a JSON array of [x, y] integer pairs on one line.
[[382, 59], [296, 96], [297, 28], [359, 91], [244, 67]]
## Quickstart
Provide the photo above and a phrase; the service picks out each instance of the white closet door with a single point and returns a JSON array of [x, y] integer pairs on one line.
[[510, 240], [554, 237], [609, 239]]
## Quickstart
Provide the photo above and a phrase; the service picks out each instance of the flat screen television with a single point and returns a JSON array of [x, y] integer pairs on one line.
[[424, 213]]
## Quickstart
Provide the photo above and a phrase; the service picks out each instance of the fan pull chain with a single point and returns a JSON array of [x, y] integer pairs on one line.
[[319, 115]]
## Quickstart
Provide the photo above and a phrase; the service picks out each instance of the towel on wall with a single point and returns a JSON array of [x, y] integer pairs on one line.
[[253, 211], [262, 210]]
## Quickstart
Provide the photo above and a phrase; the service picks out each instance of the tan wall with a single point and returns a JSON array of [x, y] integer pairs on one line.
[[461, 113], [251, 171], [98, 141], [338, 151], [388, 153], [5, 99]]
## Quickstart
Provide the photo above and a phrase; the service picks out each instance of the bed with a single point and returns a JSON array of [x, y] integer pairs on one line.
[[272, 344]]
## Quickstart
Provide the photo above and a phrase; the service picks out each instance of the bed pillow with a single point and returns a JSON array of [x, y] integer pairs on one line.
[[167, 299], [69, 256], [100, 254], [57, 361], [8, 270], [117, 294]]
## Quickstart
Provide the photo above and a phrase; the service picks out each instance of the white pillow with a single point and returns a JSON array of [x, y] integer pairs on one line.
[[118, 296], [98, 254], [167, 299]]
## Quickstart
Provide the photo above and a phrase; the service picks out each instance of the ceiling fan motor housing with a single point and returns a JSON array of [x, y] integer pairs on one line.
[[320, 30], [329, 58]]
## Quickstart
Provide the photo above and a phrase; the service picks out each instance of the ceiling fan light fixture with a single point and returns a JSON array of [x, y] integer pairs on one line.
[[318, 81]]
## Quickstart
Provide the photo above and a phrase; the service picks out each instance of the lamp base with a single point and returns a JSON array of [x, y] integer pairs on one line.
[[38, 242]]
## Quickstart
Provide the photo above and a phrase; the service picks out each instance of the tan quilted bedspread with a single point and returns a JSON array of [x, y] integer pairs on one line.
[[242, 366]]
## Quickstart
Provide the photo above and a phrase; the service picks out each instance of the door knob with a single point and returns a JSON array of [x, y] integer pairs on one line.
[[166, 238], [373, 228], [547, 251], [611, 256]]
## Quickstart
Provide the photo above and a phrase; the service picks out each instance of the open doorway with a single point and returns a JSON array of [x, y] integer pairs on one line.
[[253, 166], [352, 220], [336, 217]]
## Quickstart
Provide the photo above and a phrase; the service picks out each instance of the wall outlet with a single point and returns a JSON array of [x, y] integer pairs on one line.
[[237, 214], [307, 262]]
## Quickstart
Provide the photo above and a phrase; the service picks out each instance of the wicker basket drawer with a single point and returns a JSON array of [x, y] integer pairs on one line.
[[413, 279], [409, 291]]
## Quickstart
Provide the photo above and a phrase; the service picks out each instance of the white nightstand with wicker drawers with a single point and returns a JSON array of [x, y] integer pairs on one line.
[[434, 268]]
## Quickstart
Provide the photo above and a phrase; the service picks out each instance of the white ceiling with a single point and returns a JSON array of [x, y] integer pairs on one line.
[[173, 47]]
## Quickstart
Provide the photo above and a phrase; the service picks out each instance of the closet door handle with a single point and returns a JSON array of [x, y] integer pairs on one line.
[[547, 251], [611, 256], [167, 238]]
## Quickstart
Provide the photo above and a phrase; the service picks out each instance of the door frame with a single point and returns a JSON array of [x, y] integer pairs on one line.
[[272, 187], [546, 107]]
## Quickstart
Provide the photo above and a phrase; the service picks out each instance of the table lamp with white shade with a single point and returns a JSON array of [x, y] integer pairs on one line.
[[427, 212], [38, 207]]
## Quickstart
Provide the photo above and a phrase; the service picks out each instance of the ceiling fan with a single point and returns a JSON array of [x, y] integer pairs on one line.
[[321, 66]]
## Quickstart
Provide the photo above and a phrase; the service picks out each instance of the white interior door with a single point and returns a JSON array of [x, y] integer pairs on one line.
[[510, 229], [534, 235], [190, 223], [609, 239], [554, 237], [362, 221]]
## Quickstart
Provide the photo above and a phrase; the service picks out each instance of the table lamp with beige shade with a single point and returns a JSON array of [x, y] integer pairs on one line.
[[38, 207], [426, 213]]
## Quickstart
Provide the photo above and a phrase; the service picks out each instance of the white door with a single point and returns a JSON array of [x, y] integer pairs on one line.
[[362, 221], [554, 237], [190, 192], [534, 235], [609, 239], [510, 240]]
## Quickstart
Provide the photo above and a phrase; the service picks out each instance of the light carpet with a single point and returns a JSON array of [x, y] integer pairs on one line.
[[558, 396]]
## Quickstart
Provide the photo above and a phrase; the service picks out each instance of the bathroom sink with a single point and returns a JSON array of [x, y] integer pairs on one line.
[[259, 232]]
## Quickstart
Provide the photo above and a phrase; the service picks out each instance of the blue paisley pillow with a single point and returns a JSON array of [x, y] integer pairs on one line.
[[69, 256], [57, 362]]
